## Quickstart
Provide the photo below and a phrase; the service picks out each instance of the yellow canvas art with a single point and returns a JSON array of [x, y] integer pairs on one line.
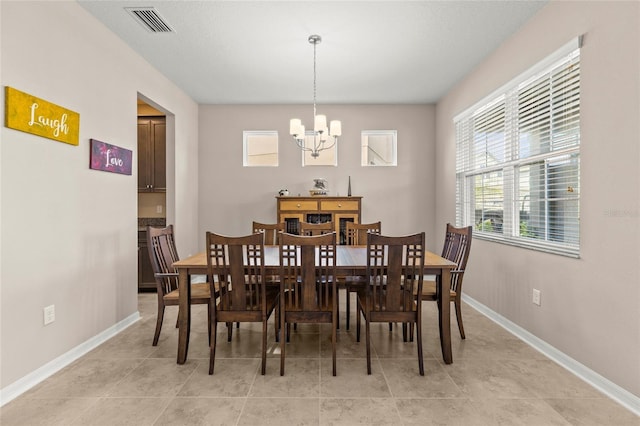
[[33, 115]]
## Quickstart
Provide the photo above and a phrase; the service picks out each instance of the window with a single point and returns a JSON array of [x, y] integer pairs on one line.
[[379, 148], [518, 159], [260, 148]]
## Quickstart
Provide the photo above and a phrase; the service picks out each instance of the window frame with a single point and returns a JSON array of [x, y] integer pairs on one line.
[[497, 132]]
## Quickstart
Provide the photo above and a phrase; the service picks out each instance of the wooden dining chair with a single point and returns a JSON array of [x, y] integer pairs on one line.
[[270, 231], [310, 229], [238, 264], [456, 248], [307, 288], [163, 253], [395, 267], [356, 235]]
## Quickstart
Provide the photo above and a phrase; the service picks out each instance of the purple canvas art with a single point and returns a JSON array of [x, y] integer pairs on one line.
[[110, 158]]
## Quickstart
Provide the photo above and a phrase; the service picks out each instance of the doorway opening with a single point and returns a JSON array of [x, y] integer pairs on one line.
[[154, 155]]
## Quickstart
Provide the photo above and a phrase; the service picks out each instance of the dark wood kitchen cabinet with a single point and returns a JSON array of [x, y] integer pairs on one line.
[[152, 147]]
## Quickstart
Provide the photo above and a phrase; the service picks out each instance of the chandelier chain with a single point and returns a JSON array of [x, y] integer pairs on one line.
[[314, 79]]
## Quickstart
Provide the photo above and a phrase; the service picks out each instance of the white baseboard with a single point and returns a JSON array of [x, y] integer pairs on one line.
[[22, 385], [613, 391]]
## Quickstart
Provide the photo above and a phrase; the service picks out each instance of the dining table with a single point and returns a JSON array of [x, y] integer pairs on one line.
[[350, 261]]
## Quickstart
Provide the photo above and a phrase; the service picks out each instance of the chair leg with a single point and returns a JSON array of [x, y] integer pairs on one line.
[[333, 339], [276, 325], [264, 346], [348, 306], [209, 322], [156, 336], [212, 346], [357, 319], [368, 333], [457, 304], [229, 331], [338, 304], [419, 343], [282, 341]]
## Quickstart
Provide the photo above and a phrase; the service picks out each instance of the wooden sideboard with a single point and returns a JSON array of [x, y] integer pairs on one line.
[[318, 209]]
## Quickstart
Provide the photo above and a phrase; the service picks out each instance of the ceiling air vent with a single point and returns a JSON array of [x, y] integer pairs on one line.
[[150, 19]]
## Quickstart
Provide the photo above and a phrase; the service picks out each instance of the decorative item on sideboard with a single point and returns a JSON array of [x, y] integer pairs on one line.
[[349, 188], [283, 192], [320, 187]]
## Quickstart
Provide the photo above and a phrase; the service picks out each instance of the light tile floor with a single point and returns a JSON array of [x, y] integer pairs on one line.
[[495, 379]]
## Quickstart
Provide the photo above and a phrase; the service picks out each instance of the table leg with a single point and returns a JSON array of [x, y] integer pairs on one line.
[[184, 315], [445, 315]]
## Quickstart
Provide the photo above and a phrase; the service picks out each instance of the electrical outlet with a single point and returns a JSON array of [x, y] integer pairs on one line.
[[49, 314], [536, 297], [158, 208]]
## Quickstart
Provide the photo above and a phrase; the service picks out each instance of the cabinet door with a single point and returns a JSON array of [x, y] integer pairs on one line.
[[340, 220], [159, 132], [144, 155], [291, 222]]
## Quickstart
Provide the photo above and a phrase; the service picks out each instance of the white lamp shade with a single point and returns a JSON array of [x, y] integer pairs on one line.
[[320, 122], [301, 131], [335, 128], [294, 126]]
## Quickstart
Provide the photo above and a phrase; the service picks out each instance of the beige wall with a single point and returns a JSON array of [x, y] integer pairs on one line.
[[231, 196], [590, 306], [68, 232]]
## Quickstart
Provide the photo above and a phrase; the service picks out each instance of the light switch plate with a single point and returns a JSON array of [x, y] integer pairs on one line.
[[49, 314], [536, 297]]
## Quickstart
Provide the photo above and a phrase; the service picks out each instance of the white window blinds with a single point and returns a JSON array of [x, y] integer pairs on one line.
[[518, 159]]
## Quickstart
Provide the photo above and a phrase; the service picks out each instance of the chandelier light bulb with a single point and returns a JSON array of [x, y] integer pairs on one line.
[[335, 128], [320, 123], [294, 126]]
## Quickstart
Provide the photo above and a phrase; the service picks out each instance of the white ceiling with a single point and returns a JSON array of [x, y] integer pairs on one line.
[[256, 52]]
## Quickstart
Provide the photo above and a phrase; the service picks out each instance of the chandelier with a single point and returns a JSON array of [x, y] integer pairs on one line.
[[321, 133]]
